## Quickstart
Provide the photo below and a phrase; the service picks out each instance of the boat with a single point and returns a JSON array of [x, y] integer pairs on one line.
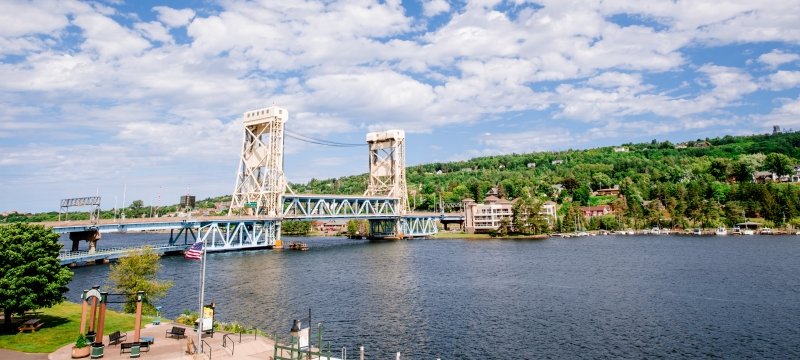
[[737, 230], [296, 245], [655, 231], [765, 231], [631, 232], [721, 231], [748, 232], [665, 231], [697, 232]]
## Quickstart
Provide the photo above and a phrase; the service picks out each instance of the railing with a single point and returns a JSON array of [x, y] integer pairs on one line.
[[114, 250], [203, 345], [225, 339]]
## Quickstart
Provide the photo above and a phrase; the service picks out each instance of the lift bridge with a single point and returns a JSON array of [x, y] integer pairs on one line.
[[262, 199]]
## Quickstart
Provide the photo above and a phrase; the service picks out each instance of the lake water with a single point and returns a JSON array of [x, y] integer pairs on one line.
[[593, 297]]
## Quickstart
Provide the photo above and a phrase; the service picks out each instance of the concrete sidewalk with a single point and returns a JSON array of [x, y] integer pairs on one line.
[[170, 348]]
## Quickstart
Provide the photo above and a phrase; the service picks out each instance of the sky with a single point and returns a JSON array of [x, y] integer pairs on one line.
[[144, 99]]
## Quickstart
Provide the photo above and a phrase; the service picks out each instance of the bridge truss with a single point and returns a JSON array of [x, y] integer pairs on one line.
[[306, 207]]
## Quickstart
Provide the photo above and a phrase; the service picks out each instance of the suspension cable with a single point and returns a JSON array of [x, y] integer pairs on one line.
[[312, 140]]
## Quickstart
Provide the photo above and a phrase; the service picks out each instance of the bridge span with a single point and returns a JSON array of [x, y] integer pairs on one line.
[[262, 199]]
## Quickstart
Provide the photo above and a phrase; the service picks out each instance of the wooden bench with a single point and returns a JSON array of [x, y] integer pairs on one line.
[[31, 325], [143, 346], [176, 331], [116, 338]]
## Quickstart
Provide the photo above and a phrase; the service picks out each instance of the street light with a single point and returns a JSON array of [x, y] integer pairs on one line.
[[295, 333]]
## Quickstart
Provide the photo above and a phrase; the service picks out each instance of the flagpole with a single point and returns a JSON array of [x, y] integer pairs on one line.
[[202, 295]]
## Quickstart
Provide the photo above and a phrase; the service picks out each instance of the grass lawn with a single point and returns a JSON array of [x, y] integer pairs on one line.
[[61, 323]]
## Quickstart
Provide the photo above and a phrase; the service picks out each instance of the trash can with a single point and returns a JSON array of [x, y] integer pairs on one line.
[[135, 351], [97, 350]]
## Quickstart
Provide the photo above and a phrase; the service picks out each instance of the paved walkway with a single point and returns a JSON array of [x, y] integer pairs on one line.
[[16, 355], [170, 348]]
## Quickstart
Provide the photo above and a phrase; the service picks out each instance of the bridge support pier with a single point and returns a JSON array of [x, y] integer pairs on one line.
[[384, 229], [92, 236]]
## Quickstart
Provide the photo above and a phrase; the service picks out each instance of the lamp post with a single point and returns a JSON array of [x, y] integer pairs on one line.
[[295, 333], [202, 295]]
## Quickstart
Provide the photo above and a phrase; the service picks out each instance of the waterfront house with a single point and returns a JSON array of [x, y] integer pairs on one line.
[[549, 209], [607, 192], [487, 216], [763, 177], [592, 211]]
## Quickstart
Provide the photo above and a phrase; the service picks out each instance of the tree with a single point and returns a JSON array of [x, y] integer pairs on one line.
[[527, 217], [779, 164], [137, 272], [31, 276], [296, 227]]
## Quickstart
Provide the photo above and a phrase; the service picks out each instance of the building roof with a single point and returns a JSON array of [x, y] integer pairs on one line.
[[595, 208], [491, 198]]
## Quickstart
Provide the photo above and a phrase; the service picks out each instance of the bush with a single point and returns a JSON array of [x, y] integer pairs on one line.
[[80, 342]]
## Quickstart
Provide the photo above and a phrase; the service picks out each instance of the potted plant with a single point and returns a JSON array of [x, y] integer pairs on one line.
[[81, 348]]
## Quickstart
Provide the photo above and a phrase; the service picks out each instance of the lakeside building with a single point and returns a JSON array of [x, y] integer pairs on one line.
[[549, 209], [592, 211], [607, 192], [487, 216]]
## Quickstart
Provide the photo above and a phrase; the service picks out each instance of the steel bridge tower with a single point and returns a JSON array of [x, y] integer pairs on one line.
[[260, 182], [387, 167]]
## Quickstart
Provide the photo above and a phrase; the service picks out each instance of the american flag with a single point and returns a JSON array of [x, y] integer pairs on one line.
[[195, 252]]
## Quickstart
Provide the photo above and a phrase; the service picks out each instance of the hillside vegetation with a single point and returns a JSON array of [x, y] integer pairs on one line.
[[700, 183]]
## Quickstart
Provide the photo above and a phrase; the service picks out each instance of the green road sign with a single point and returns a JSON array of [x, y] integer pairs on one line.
[[251, 204]]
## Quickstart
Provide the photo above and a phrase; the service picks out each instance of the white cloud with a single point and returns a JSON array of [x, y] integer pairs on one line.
[[174, 17], [777, 58], [154, 31], [783, 80], [107, 38], [19, 18], [541, 139], [788, 114], [435, 7]]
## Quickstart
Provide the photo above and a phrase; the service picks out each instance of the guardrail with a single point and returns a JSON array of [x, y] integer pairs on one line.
[[225, 342], [203, 345], [68, 255]]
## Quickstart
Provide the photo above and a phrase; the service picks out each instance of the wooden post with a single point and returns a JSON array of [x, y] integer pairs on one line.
[[138, 324], [101, 317], [84, 307], [94, 310]]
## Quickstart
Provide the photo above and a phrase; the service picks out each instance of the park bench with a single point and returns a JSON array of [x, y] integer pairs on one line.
[[116, 338], [31, 325], [126, 347], [176, 332]]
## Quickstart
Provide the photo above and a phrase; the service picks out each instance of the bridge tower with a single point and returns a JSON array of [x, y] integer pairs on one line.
[[260, 182], [387, 166]]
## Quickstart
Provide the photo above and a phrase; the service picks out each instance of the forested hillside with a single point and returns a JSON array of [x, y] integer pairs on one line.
[[699, 183], [702, 183]]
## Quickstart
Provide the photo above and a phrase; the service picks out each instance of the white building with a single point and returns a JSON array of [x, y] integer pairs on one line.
[[549, 209], [487, 216]]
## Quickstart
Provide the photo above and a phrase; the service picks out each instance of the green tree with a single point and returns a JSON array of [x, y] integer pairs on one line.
[[137, 272], [292, 227], [31, 276], [527, 217], [779, 164]]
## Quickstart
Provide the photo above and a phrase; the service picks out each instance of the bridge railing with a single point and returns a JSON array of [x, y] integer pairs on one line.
[[66, 255]]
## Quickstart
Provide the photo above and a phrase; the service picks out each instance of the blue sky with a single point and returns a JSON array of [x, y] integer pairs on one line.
[[146, 96]]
